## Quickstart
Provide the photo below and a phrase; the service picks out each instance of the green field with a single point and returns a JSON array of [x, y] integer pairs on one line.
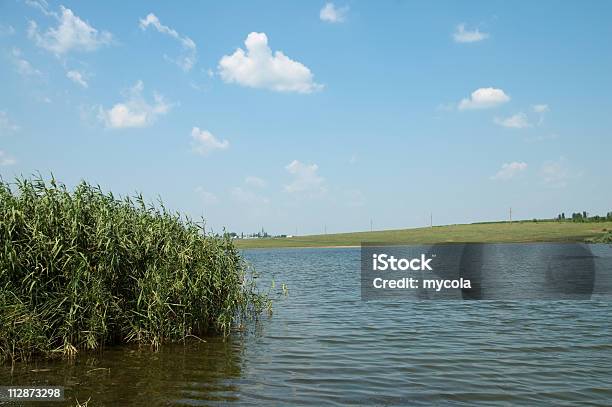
[[508, 232]]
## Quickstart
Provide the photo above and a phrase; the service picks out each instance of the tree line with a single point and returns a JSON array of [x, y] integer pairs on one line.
[[584, 217]]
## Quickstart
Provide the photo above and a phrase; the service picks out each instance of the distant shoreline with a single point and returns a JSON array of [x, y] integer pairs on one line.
[[501, 232]]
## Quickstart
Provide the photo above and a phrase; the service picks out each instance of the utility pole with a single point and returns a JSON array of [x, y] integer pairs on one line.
[[510, 214], [431, 220]]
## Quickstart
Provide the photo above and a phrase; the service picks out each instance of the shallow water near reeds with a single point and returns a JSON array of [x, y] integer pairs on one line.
[[324, 345]]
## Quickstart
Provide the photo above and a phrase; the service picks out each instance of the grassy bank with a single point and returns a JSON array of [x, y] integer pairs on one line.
[[83, 269], [527, 231]]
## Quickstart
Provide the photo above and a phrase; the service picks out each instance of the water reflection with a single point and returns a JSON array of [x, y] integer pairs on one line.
[[195, 373], [325, 346]]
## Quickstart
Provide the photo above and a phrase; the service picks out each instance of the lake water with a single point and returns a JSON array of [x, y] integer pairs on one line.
[[324, 345]]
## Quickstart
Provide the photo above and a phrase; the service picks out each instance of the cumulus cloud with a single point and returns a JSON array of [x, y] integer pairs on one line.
[[255, 182], [517, 121], [484, 98], [258, 67], [135, 110], [204, 142], [77, 77], [6, 160], [332, 14], [188, 60], [555, 173], [71, 34], [6, 124], [463, 35], [510, 170], [22, 65], [305, 178]]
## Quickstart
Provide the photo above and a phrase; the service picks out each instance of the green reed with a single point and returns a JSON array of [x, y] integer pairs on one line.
[[604, 238], [83, 269]]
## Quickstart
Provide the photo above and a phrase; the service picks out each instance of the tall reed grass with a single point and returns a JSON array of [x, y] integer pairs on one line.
[[83, 269], [606, 237]]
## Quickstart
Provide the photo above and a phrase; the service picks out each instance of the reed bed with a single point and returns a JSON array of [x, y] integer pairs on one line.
[[605, 238], [83, 269]]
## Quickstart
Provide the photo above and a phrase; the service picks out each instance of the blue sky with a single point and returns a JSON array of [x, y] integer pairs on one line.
[[300, 115]]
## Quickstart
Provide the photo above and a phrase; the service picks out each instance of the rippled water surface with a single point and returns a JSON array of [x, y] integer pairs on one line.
[[324, 346]]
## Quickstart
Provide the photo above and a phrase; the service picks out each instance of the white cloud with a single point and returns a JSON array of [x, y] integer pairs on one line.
[[462, 35], [42, 6], [332, 14], [522, 120], [22, 65], [510, 170], [6, 125], [207, 198], [305, 178], [555, 173], [542, 108], [71, 34], [517, 121], [6, 160], [484, 98], [248, 197], [258, 67], [77, 77], [204, 142], [187, 61], [6, 30], [255, 182], [135, 111]]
